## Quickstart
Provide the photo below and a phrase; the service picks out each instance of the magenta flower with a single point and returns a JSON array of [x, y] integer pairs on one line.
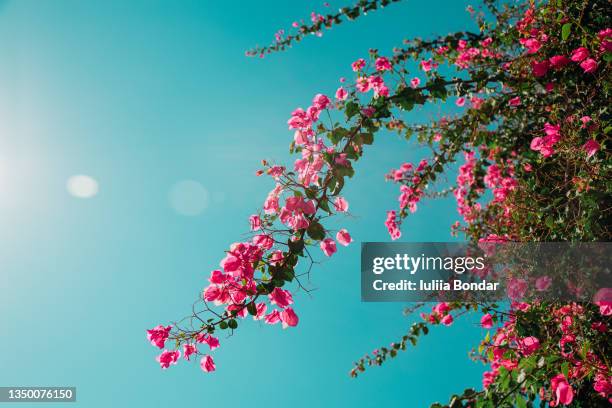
[[589, 65], [486, 321], [166, 358], [328, 246], [343, 237], [340, 204], [207, 364], [289, 318], [158, 335], [579, 54], [591, 147]]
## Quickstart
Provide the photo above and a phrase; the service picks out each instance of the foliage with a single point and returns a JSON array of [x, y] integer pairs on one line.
[[532, 134]]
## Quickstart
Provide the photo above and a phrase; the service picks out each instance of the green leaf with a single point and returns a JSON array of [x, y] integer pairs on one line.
[[295, 246], [316, 231], [520, 402], [352, 108], [366, 138], [233, 324], [252, 309], [565, 31]]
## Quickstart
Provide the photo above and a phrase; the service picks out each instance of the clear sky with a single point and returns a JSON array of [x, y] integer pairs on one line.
[[143, 94]]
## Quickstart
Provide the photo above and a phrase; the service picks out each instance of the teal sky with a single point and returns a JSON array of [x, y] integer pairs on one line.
[[141, 95]]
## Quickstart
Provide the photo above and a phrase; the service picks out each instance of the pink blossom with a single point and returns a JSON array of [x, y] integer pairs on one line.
[[558, 61], [166, 358], [321, 101], [212, 341], [447, 320], [562, 390], [207, 364], [486, 321], [460, 101], [273, 317], [540, 69], [368, 111], [189, 349], [579, 54], [341, 94], [341, 205], [328, 246], [428, 65], [344, 237], [392, 226], [358, 65], [382, 64], [280, 297], [289, 318], [516, 288], [255, 222], [441, 308], [158, 335], [260, 309], [476, 102], [589, 65], [532, 44], [516, 101], [591, 147], [415, 82], [529, 345], [543, 283]]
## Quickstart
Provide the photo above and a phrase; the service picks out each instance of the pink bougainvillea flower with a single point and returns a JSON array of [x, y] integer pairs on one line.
[[589, 65], [516, 288], [189, 349], [212, 341], [382, 64], [562, 389], [516, 101], [441, 308], [603, 299], [273, 317], [166, 358], [486, 321], [559, 61], [529, 345], [289, 318], [358, 65], [591, 147], [428, 65], [343, 237], [539, 69], [255, 222], [280, 297], [447, 320], [579, 54], [415, 82], [532, 44], [207, 364], [368, 111], [158, 335], [543, 283], [341, 205], [328, 246], [321, 101], [341, 94], [460, 101], [476, 102]]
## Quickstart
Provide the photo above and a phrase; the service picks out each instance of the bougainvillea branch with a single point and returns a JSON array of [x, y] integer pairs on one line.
[[531, 135], [318, 23]]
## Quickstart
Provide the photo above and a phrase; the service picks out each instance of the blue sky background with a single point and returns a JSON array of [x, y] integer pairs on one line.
[[140, 95]]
